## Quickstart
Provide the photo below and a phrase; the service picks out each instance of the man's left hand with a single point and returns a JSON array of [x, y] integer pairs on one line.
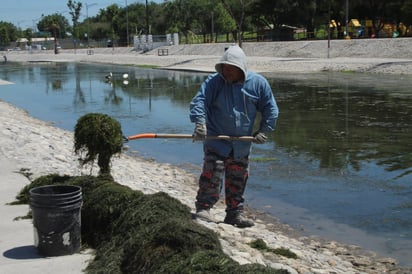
[[259, 137]]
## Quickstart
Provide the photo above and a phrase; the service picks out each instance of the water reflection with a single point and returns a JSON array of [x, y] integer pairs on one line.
[[341, 151], [343, 126]]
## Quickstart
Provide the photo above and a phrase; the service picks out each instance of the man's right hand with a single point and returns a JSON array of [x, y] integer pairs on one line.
[[200, 132]]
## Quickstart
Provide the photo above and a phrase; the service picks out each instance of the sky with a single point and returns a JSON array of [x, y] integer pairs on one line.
[[26, 13]]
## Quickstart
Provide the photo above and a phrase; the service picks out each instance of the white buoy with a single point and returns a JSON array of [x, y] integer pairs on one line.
[[125, 76]]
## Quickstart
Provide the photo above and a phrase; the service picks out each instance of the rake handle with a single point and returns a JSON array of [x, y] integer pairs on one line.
[[188, 136]]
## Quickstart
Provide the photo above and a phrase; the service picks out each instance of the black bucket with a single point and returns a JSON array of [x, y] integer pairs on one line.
[[56, 219]]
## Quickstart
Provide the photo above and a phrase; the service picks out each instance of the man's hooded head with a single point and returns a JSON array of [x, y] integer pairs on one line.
[[233, 56]]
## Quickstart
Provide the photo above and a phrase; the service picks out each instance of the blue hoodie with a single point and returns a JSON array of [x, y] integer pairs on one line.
[[231, 108]]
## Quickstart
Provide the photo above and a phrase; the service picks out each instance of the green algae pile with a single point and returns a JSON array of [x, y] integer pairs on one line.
[[132, 232], [97, 135]]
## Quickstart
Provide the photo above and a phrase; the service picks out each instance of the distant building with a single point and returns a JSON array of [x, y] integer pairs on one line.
[[36, 43]]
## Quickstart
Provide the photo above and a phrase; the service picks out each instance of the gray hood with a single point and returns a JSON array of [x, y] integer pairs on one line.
[[234, 56]]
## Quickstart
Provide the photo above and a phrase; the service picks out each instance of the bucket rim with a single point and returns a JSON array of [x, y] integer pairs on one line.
[[75, 189]]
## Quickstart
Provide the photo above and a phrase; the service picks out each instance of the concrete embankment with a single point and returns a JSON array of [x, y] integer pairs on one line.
[[361, 48], [391, 56]]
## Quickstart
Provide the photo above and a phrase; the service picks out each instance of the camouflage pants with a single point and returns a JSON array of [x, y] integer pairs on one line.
[[235, 173]]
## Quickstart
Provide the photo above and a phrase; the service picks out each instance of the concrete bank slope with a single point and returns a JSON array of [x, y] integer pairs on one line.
[[356, 48], [390, 56]]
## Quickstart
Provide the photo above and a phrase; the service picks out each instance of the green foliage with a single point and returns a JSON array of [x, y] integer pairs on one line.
[[4, 37], [261, 245], [99, 136], [136, 233], [227, 18], [321, 34], [54, 22], [8, 33], [75, 9]]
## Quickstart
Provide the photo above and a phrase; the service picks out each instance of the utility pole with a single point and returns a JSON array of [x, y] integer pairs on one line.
[[88, 22], [212, 29], [147, 19], [347, 20], [328, 26], [127, 24]]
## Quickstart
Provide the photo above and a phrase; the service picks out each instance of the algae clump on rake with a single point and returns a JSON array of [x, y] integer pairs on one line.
[[98, 136]]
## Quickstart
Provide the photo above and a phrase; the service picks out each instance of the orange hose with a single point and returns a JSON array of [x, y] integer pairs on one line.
[[188, 136], [141, 136]]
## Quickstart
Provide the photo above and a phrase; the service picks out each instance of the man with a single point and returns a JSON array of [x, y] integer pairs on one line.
[[227, 104]]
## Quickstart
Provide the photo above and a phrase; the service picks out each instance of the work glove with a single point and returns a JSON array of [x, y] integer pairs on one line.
[[259, 137], [200, 132]]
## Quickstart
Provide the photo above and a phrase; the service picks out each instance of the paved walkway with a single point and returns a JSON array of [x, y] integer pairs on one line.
[[18, 253]]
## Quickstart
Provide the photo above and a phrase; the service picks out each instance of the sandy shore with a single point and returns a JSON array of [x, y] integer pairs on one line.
[[40, 149]]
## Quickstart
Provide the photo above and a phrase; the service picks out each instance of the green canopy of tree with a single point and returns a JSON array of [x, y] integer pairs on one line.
[[203, 20], [8, 33], [54, 22], [75, 8]]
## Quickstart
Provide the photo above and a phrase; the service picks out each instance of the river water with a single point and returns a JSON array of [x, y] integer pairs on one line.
[[338, 166]]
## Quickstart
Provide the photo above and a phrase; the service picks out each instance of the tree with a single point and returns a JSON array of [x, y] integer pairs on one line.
[[406, 13], [99, 26], [183, 15], [237, 10], [8, 33], [222, 21], [112, 15], [380, 12], [75, 8], [28, 33], [271, 15], [58, 21], [155, 10], [4, 37], [211, 19]]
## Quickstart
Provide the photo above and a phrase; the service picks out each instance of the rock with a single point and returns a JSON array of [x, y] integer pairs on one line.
[[282, 266]]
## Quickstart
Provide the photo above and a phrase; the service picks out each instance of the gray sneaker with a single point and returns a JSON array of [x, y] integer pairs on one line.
[[204, 215], [235, 218]]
